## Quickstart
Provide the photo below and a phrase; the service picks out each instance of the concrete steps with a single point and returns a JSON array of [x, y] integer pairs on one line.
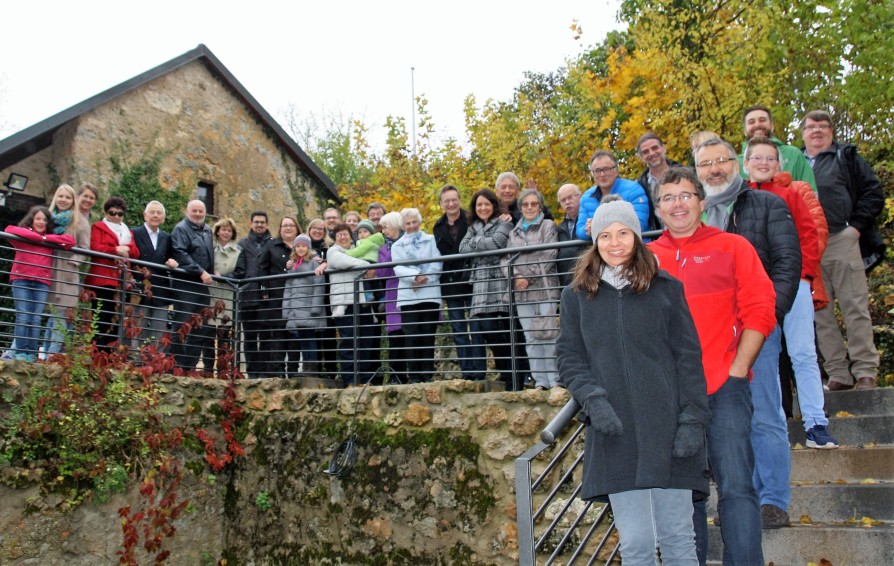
[[834, 490]]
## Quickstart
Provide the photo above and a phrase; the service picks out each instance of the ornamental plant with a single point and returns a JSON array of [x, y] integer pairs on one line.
[[97, 427]]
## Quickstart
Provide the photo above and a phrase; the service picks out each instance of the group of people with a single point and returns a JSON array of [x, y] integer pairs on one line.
[[670, 346]]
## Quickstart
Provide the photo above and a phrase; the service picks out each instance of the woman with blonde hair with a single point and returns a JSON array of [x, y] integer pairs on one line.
[[226, 254], [66, 286]]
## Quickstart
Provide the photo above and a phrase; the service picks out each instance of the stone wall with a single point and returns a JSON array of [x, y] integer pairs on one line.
[[433, 481], [205, 133]]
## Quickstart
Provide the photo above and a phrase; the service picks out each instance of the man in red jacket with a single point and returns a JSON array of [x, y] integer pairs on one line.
[[733, 304]]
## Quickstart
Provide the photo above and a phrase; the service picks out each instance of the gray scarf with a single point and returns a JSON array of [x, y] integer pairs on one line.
[[717, 206], [614, 276]]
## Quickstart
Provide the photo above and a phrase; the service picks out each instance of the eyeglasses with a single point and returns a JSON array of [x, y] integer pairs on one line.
[[317, 229], [116, 213], [603, 170], [817, 127], [534, 204], [712, 162], [762, 158], [685, 197], [569, 198]]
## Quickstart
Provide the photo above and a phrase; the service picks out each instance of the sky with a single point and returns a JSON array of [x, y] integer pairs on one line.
[[347, 58]]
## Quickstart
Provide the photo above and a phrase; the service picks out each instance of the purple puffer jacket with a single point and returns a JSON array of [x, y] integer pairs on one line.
[[392, 313]]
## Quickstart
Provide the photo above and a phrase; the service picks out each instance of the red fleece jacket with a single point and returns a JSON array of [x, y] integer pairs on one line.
[[727, 291]]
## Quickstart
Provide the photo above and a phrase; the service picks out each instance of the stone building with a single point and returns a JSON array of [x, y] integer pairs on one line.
[[213, 139]]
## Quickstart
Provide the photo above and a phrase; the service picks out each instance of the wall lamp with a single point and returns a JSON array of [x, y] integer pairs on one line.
[[15, 182]]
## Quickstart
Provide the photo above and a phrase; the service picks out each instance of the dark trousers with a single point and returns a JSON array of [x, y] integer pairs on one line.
[[108, 318], [254, 330], [362, 340], [495, 331], [191, 334], [420, 323]]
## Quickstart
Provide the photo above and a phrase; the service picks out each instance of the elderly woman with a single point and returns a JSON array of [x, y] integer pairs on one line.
[[535, 285], [344, 300], [109, 236], [398, 348], [66, 287], [489, 229], [630, 356], [418, 293]]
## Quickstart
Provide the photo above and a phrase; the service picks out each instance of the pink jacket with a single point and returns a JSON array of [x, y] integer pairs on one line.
[[34, 261]]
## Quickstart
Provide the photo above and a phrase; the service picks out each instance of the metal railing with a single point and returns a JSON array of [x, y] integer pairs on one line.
[[240, 318], [553, 522]]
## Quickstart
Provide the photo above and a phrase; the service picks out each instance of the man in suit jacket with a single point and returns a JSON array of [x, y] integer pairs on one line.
[[155, 247], [194, 252]]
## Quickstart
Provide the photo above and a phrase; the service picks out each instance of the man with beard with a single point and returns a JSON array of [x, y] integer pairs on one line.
[[765, 221], [759, 122], [653, 153], [251, 308]]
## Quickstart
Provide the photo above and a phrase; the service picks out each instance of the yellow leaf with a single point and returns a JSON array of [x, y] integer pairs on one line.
[[806, 520], [843, 414], [868, 522], [869, 480], [797, 446]]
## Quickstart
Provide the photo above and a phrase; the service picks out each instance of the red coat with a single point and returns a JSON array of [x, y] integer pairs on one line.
[[34, 262], [106, 272], [727, 291], [813, 229]]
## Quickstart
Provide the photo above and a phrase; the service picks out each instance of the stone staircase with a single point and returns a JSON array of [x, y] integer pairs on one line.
[[833, 490]]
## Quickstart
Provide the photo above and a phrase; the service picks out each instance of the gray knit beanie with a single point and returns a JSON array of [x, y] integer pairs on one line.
[[613, 209], [303, 239], [368, 225]]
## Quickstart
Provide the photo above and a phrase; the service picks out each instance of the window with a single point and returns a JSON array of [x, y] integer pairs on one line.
[[205, 193]]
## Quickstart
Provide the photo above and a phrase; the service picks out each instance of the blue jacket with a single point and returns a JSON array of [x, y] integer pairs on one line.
[[631, 191]]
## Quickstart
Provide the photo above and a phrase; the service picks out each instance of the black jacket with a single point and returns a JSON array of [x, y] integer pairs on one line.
[[194, 251], [643, 180], [567, 257], [272, 261], [765, 220], [455, 273], [159, 254], [847, 202], [247, 266]]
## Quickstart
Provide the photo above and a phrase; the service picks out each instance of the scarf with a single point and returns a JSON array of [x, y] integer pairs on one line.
[[614, 276], [525, 224], [61, 220], [717, 206]]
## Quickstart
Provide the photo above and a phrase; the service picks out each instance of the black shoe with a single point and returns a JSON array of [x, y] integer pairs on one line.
[[773, 517]]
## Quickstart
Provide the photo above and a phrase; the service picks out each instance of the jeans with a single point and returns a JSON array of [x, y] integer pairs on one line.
[[56, 329], [541, 353], [30, 299], [655, 518], [466, 335], [305, 340], [732, 461], [769, 434], [801, 348], [190, 298]]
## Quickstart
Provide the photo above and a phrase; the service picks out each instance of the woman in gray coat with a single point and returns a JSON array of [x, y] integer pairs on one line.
[[535, 285], [629, 353], [489, 230]]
